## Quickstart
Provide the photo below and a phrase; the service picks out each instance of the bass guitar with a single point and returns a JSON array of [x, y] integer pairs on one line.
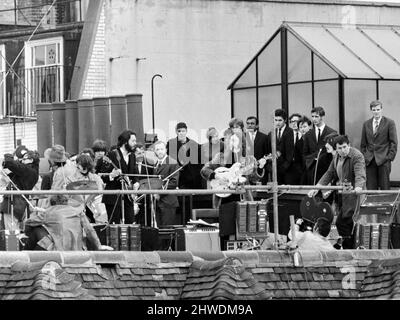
[[126, 182]]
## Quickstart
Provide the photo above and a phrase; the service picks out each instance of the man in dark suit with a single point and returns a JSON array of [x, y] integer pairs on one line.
[[314, 153], [284, 145], [256, 142], [123, 162], [144, 167], [379, 147], [294, 173], [166, 204]]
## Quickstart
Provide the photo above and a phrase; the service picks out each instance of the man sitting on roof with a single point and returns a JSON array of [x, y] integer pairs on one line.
[[315, 240], [61, 227]]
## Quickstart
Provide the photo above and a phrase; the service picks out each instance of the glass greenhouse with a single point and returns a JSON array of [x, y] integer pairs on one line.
[[340, 67]]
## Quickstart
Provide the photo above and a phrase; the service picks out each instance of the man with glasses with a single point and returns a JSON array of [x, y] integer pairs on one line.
[[294, 173], [256, 141]]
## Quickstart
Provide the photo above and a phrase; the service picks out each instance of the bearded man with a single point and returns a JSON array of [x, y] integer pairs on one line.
[[123, 162]]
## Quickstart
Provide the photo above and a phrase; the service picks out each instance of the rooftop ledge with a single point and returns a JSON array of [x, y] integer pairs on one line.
[[249, 258]]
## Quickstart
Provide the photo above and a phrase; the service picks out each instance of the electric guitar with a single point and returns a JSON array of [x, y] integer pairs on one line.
[[230, 178]]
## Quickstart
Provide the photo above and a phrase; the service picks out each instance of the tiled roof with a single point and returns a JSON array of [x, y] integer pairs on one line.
[[222, 279], [360, 274]]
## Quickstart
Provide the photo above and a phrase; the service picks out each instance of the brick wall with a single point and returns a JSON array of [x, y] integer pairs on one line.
[[95, 82], [7, 17]]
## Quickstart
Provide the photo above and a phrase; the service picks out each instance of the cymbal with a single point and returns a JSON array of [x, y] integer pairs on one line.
[[82, 185]]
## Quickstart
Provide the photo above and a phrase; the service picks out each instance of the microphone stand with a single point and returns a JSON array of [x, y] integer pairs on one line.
[[316, 166]]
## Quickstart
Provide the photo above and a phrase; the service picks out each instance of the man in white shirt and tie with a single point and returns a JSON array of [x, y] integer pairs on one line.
[[258, 144], [294, 173], [315, 156], [284, 145], [379, 147]]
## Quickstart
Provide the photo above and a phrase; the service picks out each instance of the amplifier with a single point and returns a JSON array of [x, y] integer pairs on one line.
[[251, 219], [124, 237], [373, 236], [198, 239], [378, 209]]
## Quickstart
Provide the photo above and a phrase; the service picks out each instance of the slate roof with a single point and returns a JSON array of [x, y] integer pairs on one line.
[[344, 274]]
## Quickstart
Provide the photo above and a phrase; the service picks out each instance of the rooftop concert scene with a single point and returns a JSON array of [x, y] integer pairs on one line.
[[199, 150]]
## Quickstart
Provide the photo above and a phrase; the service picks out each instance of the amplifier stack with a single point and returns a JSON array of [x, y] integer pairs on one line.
[[251, 219], [373, 236], [124, 237]]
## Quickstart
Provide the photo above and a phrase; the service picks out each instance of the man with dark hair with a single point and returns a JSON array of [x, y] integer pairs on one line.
[[284, 145], [24, 175], [348, 169], [315, 240], [315, 156], [379, 147], [123, 162], [295, 171], [85, 165], [256, 141], [186, 152]]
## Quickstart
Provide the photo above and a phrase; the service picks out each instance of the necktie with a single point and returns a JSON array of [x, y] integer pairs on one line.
[[279, 134], [376, 124], [319, 134], [297, 138]]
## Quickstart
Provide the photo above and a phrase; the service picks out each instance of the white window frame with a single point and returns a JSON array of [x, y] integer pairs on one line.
[[3, 110], [29, 46]]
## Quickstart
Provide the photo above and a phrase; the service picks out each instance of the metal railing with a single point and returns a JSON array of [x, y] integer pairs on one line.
[[29, 86]]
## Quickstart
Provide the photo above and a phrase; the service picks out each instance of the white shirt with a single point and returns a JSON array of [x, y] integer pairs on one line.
[[295, 134], [374, 123], [161, 161], [281, 131], [319, 128], [125, 155]]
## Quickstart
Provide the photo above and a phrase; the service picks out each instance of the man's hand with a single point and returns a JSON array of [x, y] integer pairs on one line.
[[261, 163], [115, 173], [312, 193], [136, 186], [157, 197]]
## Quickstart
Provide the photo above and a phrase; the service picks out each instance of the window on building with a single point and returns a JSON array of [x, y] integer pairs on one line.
[[44, 72]]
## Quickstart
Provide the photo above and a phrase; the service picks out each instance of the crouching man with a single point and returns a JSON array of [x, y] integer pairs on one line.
[[61, 227]]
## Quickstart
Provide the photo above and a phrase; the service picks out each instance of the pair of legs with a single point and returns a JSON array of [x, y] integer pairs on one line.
[[378, 176]]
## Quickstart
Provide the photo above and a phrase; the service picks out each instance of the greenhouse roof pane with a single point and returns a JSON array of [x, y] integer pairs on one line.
[[368, 51], [389, 41], [333, 52]]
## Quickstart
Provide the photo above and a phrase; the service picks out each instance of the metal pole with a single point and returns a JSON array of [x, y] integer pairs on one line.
[[152, 99], [274, 182], [15, 134]]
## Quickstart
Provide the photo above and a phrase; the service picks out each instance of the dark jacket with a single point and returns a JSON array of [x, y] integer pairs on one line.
[[353, 171], [167, 168], [260, 147], [311, 147], [383, 145], [24, 176], [118, 160], [187, 154], [285, 145]]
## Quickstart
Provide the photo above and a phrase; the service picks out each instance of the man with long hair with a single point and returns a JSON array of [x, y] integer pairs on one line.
[[123, 162]]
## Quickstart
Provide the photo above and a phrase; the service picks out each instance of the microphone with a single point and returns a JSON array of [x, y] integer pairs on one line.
[[316, 165]]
